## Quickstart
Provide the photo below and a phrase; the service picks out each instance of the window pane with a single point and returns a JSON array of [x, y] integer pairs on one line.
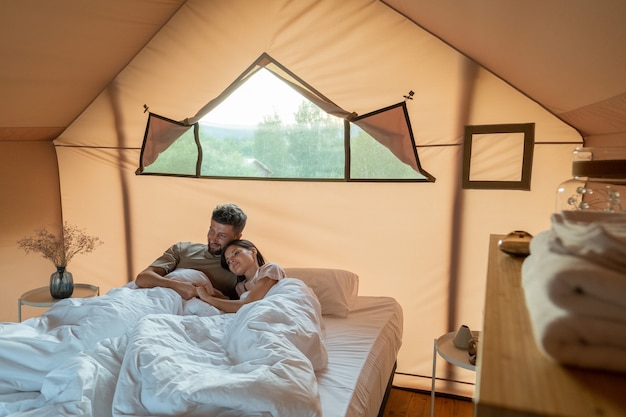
[[489, 151], [371, 160], [180, 158], [266, 129]]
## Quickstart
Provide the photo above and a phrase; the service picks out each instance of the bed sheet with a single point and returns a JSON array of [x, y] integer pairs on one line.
[[362, 351]]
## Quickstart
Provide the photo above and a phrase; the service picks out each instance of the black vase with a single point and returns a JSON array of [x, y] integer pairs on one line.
[[61, 283]]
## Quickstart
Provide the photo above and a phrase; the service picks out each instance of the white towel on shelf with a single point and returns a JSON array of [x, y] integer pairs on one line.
[[573, 283], [575, 339], [597, 236], [577, 305]]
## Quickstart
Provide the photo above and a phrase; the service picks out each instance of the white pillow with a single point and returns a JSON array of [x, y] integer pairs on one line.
[[192, 276], [193, 306], [181, 274], [335, 289]]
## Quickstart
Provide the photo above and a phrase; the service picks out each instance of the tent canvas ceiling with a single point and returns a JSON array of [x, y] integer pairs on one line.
[[567, 55], [76, 74]]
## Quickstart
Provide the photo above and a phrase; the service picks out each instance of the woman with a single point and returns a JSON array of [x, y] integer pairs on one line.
[[255, 277]]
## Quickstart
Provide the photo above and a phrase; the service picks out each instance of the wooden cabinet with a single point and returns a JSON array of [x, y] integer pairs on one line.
[[515, 379]]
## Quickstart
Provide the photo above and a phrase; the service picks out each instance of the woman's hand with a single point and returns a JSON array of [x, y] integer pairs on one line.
[[261, 288], [205, 292], [219, 294]]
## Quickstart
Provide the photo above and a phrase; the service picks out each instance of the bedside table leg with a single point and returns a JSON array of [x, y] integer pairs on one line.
[[19, 310], [432, 386]]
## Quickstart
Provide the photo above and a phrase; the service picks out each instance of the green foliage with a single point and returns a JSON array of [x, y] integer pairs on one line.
[[371, 160], [180, 158], [315, 144]]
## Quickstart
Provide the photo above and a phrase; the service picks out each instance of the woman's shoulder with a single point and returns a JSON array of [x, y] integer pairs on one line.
[[271, 270]]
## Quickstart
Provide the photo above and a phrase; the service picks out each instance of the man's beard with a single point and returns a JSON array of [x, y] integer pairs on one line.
[[215, 252]]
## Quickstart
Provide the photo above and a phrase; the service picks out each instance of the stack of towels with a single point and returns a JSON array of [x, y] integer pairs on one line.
[[574, 283]]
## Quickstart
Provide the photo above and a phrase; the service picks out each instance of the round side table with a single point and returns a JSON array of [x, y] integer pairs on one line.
[[444, 347], [40, 297]]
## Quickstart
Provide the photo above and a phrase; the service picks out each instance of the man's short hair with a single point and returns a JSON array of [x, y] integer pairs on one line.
[[230, 214]]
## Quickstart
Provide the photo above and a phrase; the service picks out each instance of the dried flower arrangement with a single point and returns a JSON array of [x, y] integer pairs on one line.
[[59, 249]]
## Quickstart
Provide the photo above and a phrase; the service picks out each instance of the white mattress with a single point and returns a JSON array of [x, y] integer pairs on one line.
[[362, 351]]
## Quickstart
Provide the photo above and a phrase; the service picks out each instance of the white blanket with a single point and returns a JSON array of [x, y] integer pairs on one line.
[[260, 361], [29, 350]]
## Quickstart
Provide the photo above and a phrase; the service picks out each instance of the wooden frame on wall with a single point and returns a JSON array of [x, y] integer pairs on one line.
[[482, 141]]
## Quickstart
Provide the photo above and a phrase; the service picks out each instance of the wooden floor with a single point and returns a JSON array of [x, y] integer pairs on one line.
[[407, 403]]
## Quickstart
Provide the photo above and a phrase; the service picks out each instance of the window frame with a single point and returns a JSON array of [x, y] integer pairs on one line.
[[309, 93], [528, 129]]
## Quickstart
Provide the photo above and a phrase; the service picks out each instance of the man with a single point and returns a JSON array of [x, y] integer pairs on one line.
[[25, 359], [227, 224]]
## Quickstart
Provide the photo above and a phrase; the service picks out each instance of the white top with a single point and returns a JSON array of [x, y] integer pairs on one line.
[[269, 270]]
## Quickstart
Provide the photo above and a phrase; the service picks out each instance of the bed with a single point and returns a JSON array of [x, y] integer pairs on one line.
[[311, 347]]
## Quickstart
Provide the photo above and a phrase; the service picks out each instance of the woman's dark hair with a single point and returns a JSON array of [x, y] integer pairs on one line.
[[242, 243]]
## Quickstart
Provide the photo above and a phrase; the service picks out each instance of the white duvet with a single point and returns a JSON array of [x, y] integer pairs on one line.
[[260, 361]]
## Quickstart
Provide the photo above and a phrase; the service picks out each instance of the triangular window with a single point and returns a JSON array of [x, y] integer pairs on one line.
[[295, 133]]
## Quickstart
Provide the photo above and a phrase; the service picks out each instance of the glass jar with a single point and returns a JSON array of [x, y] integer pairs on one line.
[[598, 183]]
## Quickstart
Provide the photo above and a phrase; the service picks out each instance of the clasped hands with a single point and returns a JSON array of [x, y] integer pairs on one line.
[[189, 290], [207, 290]]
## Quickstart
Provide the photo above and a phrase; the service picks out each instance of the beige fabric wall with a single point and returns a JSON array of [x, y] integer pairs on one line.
[[29, 180], [399, 238]]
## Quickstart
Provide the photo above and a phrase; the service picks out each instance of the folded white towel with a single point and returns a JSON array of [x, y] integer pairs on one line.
[[570, 336], [577, 307], [597, 236], [573, 283]]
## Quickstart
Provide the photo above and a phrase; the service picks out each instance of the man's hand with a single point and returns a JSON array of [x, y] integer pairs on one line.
[[184, 289], [155, 277]]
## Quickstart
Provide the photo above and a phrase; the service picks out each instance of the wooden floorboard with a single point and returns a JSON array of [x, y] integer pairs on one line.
[[409, 403]]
